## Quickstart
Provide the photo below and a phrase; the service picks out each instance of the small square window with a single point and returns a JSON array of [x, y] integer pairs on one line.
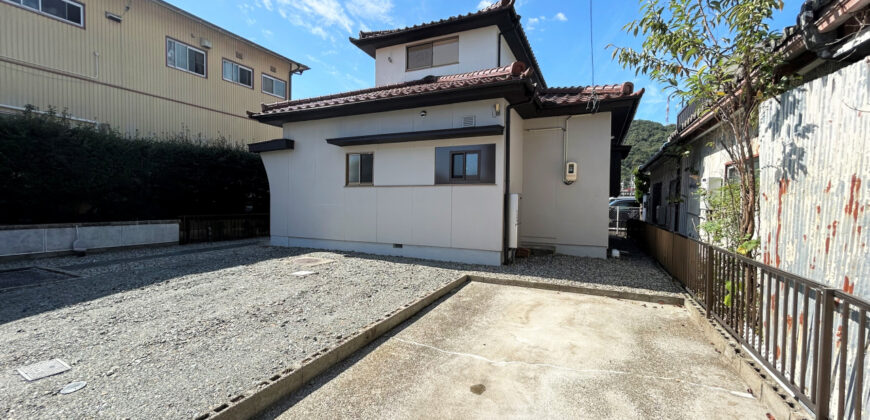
[[465, 166], [360, 168]]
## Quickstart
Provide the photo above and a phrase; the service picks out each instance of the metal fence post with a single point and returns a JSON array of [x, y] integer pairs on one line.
[[825, 341], [708, 279]]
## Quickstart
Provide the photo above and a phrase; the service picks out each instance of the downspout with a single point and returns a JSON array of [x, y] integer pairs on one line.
[[507, 259]]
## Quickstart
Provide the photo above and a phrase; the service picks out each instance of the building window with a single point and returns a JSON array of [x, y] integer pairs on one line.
[[360, 168], [65, 10], [237, 73], [274, 87], [732, 174], [184, 57], [465, 164], [433, 54]]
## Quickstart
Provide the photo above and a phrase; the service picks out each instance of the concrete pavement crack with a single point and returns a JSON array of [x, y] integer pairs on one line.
[[579, 371]]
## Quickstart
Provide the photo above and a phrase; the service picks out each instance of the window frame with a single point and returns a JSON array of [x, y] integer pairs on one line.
[[347, 182], [48, 15], [432, 52], [263, 86], [464, 177], [486, 164], [241, 66], [204, 60]]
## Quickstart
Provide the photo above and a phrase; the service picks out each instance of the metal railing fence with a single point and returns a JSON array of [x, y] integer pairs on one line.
[[222, 227], [812, 337], [619, 217]]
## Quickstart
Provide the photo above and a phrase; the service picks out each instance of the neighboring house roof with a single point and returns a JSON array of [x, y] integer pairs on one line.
[[301, 67], [814, 38], [501, 13], [512, 82]]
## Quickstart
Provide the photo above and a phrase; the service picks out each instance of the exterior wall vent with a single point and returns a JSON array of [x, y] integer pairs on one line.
[[113, 17], [469, 121], [273, 69], [205, 43], [240, 56]]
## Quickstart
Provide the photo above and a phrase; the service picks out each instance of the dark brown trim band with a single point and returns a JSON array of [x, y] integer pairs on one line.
[[88, 79], [408, 136], [271, 145]]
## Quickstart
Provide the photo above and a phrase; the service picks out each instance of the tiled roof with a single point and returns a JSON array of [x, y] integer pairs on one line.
[[511, 24], [429, 84], [564, 96], [495, 7]]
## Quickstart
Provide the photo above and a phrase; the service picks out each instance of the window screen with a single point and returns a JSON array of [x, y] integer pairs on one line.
[[360, 168], [185, 57], [420, 56], [431, 54], [236, 73], [274, 86]]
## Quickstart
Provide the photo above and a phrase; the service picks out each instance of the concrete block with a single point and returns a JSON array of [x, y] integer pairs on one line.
[[25, 241]]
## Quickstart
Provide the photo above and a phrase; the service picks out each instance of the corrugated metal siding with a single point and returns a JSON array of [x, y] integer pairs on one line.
[[815, 180], [131, 54]]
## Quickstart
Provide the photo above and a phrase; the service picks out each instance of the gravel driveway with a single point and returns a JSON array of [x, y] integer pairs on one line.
[[170, 332]]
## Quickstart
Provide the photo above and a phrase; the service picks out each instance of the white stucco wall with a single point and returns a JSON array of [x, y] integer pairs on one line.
[[572, 218], [478, 50], [311, 206]]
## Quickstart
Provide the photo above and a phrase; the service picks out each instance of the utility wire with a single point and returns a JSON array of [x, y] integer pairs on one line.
[[591, 45]]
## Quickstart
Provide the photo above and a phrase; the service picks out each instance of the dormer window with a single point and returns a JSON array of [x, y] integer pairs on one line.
[[433, 54]]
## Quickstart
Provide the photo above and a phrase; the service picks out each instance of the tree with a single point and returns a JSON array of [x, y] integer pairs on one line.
[[645, 139], [719, 55]]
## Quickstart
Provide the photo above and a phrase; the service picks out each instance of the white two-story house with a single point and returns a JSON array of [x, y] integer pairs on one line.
[[461, 152]]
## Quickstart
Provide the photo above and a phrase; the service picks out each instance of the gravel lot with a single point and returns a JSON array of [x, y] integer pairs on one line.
[[170, 332]]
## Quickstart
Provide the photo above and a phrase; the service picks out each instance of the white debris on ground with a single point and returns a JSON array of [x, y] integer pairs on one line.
[[171, 332]]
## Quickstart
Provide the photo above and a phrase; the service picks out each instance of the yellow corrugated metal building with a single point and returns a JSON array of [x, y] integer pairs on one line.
[[144, 67]]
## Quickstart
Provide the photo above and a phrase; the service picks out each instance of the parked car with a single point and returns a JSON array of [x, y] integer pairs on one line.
[[621, 210]]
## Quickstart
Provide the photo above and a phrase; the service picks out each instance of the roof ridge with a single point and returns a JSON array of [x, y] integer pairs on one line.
[[494, 7]]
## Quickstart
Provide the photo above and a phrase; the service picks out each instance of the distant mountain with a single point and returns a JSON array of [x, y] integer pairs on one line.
[[645, 138]]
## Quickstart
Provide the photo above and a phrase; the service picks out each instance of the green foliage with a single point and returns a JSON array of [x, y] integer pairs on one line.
[[722, 219], [641, 185], [645, 139], [721, 55], [54, 171]]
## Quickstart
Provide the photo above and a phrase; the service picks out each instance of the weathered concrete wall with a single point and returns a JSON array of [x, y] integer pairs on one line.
[[41, 239], [815, 180]]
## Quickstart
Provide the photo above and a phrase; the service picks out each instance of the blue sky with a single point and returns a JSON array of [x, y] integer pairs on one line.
[[315, 32]]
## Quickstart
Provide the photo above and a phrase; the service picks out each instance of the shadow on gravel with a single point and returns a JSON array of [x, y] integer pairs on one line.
[[122, 275], [633, 269], [331, 373]]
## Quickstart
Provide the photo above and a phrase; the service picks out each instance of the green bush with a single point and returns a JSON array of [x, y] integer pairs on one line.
[[55, 171]]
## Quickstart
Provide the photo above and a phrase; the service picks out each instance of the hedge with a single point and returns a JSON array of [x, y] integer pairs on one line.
[[53, 170]]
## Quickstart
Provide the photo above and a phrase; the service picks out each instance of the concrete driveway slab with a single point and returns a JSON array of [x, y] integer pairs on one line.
[[502, 351]]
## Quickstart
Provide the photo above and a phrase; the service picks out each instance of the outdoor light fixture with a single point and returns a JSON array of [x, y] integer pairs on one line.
[[496, 109], [423, 113]]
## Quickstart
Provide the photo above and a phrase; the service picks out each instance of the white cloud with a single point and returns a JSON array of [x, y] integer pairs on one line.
[[377, 10], [560, 17], [484, 4], [333, 19], [312, 14], [267, 33]]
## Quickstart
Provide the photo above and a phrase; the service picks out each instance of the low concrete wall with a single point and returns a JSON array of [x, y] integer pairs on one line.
[[26, 240]]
